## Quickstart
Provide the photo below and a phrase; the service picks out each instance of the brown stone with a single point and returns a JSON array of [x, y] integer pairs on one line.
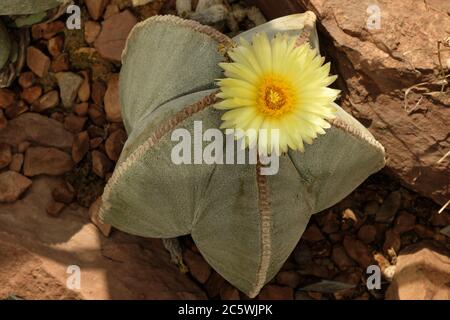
[[42, 160], [16, 109], [23, 146], [440, 219], [31, 94], [114, 144], [55, 45], [112, 101], [389, 207], [98, 92], [3, 120], [228, 292], [96, 8], [80, 146], [84, 92], [198, 267], [289, 278], [111, 10], [64, 193], [91, 31], [12, 185], [358, 251], [81, 109], [5, 155], [96, 114], [26, 79], [312, 233], [213, 285], [52, 28], [273, 292], [100, 163], [340, 257], [47, 101], [392, 241], [95, 142], [54, 208], [60, 63], [16, 162], [111, 41], [367, 233], [58, 116], [38, 62], [68, 83], [330, 222], [405, 222], [7, 98], [94, 209], [422, 273], [74, 123]]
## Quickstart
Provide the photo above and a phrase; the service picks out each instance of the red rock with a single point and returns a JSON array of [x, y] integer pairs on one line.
[[111, 41], [98, 92], [26, 79], [55, 45], [74, 123], [16, 162], [16, 109], [80, 146], [84, 92], [392, 241], [273, 292], [95, 131], [312, 233], [228, 292], [81, 109], [12, 185], [111, 10], [95, 142], [54, 208], [31, 94], [7, 98], [422, 273], [97, 115], [213, 285], [405, 222], [358, 251], [91, 31], [330, 222], [51, 161], [100, 163], [94, 209], [96, 8], [5, 155], [367, 233], [52, 28], [38, 62], [3, 120], [112, 101], [198, 267], [61, 63], [114, 144], [289, 278], [47, 101], [340, 257], [64, 193]]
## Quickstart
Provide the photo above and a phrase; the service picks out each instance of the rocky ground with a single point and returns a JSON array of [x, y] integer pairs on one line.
[[61, 132]]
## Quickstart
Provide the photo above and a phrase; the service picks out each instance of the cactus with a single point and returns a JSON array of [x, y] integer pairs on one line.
[[245, 224]]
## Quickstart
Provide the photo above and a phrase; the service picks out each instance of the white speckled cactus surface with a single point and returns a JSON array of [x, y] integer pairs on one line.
[[245, 224]]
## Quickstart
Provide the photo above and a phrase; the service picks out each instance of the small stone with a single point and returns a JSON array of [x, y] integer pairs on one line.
[[98, 92], [95, 142], [100, 163], [47, 101], [96, 8], [97, 115], [12, 186], [84, 92], [330, 222], [91, 31], [367, 233], [26, 79], [371, 208], [440, 219], [302, 254], [68, 83], [111, 40], [55, 45], [405, 222], [23, 146], [81, 109], [392, 241], [52, 28], [95, 132], [288, 278], [80, 146], [198, 267], [273, 292], [389, 208], [312, 233], [74, 123], [16, 162], [7, 98], [64, 193], [60, 63], [114, 144], [423, 232], [340, 257], [54, 208], [112, 101], [5, 155], [16, 109], [358, 251], [58, 116], [38, 62], [111, 10], [51, 161], [94, 211], [3, 120], [228, 292], [214, 284], [31, 94]]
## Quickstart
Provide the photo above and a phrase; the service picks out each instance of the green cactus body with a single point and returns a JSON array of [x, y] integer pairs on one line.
[[244, 224], [22, 7], [5, 45]]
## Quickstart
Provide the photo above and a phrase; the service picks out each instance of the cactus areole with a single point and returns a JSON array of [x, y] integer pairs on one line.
[[244, 223]]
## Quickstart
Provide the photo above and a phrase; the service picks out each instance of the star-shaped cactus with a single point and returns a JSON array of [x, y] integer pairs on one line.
[[244, 223]]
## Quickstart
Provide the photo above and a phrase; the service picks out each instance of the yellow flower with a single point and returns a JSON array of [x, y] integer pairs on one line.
[[276, 85]]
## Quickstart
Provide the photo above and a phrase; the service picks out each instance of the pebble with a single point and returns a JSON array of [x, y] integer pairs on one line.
[[64, 193], [54, 208], [55, 45], [214, 284], [97, 115], [100, 163], [7, 98], [112, 101], [84, 92], [81, 109], [111, 10], [341, 258], [405, 222], [3, 120], [330, 222], [37, 61], [74, 123], [94, 143], [367, 233], [358, 251], [389, 208], [60, 63], [114, 144], [42, 160], [68, 83], [312, 233], [16, 162], [47, 101], [31, 94], [392, 241], [5, 155], [289, 278], [80, 146], [26, 79], [198, 267], [91, 31], [98, 92], [96, 8], [228, 292], [274, 292], [12, 186]]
